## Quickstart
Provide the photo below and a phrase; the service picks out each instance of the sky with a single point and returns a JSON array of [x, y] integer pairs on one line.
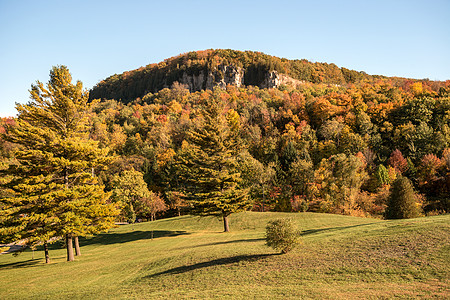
[[96, 39]]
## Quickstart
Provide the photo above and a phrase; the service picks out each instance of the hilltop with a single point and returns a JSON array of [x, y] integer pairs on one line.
[[201, 70], [189, 257]]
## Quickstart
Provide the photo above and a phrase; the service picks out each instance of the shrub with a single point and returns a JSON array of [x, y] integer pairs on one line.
[[282, 234], [403, 201]]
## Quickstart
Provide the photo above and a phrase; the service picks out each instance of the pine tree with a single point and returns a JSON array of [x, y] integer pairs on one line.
[[51, 188], [207, 166]]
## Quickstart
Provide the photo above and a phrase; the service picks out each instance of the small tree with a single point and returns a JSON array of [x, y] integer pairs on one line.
[[382, 175], [282, 234], [130, 189], [176, 201], [398, 162], [151, 205], [402, 203]]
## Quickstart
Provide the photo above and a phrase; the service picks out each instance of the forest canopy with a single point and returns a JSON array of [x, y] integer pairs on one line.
[[334, 142], [315, 146]]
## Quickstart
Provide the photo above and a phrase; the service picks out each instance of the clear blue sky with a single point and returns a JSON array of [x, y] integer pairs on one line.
[[96, 39]]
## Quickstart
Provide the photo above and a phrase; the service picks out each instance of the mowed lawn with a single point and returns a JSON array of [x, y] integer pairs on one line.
[[341, 257]]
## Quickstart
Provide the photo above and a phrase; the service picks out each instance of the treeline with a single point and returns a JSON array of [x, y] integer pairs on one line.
[[256, 65], [314, 148]]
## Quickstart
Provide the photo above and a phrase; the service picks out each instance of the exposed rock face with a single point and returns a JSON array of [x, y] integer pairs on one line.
[[221, 77], [193, 82], [231, 75], [274, 79]]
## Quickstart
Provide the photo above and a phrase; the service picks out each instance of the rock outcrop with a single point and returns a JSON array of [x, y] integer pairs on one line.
[[232, 75], [223, 76], [274, 79]]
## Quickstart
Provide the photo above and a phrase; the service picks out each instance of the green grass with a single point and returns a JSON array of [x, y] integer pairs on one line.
[[340, 257]]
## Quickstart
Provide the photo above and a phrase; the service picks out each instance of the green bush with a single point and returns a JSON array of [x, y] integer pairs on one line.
[[403, 201], [282, 234]]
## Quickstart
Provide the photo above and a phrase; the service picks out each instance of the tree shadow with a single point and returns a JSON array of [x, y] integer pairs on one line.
[[224, 243], [20, 264], [117, 238], [126, 237], [211, 263], [331, 229]]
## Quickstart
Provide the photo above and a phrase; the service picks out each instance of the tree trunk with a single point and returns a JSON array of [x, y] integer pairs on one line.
[[263, 199], [69, 246], [179, 212], [47, 257], [77, 246], [226, 228]]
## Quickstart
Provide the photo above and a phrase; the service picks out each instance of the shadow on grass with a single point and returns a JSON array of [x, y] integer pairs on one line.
[[211, 263], [126, 237], [117, 238], [332, 229], [224, 243], [20, 264]]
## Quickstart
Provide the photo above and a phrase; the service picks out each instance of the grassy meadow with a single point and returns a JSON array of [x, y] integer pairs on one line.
[[188, 257]]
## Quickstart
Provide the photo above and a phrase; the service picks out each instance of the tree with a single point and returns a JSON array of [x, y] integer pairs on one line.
[[152, 205], [428, 168], [382, 175], [176, 201], [130, 191], [338, 181], [208, 167], [257, 176], [402, 203], [301, 176], [52, 190], [398, 162]]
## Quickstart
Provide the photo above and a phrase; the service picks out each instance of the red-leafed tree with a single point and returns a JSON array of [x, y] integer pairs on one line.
[[428, 168], [398, 162]]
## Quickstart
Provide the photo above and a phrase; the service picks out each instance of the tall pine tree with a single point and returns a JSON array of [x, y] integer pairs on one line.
[[207, 166], [51, 187]]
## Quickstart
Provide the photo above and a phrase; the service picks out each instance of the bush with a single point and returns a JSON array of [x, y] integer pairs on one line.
[[403, 201], [282, 234]]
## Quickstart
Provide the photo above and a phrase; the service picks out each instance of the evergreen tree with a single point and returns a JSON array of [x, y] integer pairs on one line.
[[402, 203], [52, 190], [207, 166], [382, 175]]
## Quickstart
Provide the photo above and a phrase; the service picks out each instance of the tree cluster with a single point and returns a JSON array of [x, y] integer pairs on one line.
[[48, 188], [316, 147]]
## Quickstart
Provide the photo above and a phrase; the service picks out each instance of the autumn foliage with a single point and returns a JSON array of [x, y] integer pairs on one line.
[[334, 142]]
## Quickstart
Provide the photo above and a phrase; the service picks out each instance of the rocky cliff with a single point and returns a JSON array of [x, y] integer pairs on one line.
[[202, 70], [231, 75], [207, 80]]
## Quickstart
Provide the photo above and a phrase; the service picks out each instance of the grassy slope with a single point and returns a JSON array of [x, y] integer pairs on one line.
[[340, 257]]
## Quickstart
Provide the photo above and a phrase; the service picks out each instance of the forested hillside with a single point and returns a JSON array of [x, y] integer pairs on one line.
[[205, 69], [334, 142], [316, 147]]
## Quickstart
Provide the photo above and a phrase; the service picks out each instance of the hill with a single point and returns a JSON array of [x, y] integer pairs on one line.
[[203, 70], [340, 257]]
